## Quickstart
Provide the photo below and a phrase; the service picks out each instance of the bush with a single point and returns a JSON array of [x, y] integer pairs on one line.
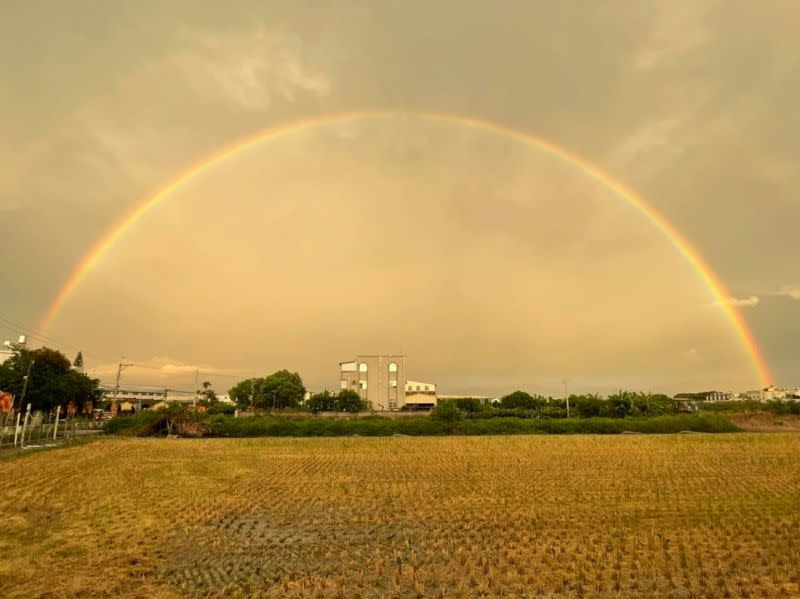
[[447, 412], [175, 419], [221, 408], [376, 426], [772, 406]]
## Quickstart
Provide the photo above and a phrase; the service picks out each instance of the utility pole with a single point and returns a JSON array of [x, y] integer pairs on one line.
[[122, 366], [252, 391], [566, 394], [196, 378], [25, 384]]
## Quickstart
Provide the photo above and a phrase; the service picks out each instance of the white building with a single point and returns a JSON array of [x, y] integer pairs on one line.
[[10, 348], [380, 380], [420, 396], [771, 393], [135, 396]]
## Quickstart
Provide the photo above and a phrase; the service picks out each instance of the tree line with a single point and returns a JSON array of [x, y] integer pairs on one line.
[[47, 379], [520, 404], [285, 390]]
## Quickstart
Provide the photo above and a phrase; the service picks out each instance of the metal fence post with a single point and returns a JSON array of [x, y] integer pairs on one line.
[[55, 426], [25, 426], [16, 430]]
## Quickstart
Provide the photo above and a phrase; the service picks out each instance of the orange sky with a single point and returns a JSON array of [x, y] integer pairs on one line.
[[491, 266]]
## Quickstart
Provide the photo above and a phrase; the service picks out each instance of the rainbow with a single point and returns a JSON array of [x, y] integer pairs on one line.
[[128, 220]]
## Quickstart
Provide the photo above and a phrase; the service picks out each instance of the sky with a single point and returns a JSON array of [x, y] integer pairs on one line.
[[489, 264]]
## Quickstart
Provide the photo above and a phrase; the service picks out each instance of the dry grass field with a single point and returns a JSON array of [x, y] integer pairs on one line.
[[629, 515]]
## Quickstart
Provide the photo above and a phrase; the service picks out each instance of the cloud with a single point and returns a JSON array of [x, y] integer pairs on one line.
[[649, 149], [160, 369], [678, 31], [743, 302], [790, 292], [250, 70]]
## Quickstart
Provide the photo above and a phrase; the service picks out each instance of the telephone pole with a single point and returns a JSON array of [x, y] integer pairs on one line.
[[196, 389], [566, 394], [25, 385], [122, 366]]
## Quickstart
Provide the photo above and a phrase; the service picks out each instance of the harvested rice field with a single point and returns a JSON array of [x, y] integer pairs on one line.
[[574, 516]]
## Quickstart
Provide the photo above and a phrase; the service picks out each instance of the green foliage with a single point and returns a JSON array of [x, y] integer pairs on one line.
[[321, 402], [282, 389], [470, 405], [347, 401], [350, 401], [447, 412], [523, 400], [267, 426], [519, 404], [241, 392], [175, 419], [772, 406], [207, 394], [221, 408], [52, 380], [78, 361]]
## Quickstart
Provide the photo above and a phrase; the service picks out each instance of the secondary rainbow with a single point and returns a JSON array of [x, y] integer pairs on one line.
[[231, 151]]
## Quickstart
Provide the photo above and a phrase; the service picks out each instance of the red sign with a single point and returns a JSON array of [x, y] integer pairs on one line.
[[6, 400]]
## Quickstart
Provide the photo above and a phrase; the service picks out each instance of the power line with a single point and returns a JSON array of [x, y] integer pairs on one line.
[[16, 328], [46, 340]]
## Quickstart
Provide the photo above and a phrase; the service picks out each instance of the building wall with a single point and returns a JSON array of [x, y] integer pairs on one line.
[[421, 399], [381, 380], [420, 387]]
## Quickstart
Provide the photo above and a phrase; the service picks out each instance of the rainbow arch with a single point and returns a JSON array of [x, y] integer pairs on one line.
[[116, 231]]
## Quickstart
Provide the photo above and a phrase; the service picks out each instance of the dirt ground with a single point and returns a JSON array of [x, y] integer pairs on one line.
[[519, 516]]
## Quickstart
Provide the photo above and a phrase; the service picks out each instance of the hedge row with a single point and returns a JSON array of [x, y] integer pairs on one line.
[[266, 426]]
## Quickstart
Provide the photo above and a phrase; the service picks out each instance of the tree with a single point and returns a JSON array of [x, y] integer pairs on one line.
[[244, 390], [447, 411], [623, 404], [521, 399], [282, 389], [589, 406], [321, 402], [350, 401], [52, 381], [207, 394]]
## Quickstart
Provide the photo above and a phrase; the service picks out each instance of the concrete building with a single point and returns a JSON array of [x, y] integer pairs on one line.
[[380, 380], [420, 396], [10, 348], [135, 396]]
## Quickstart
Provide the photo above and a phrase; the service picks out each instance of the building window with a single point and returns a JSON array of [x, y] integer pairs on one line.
[[343, 384], [426, 387], [418, 388], [393, 384], [363, 384], [392, 367], [362, 367]]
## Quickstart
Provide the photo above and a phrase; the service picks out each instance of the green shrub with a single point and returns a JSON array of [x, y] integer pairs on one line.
[[175, 419], [377, 426], [447, 412], [221, 408]]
